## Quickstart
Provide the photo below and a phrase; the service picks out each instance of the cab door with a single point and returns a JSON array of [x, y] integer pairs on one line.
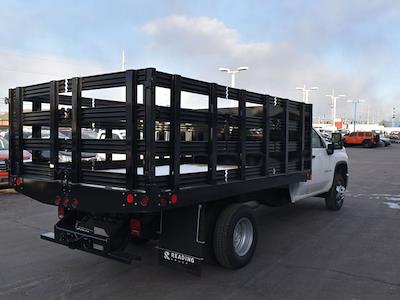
[[351, 138], [321, 166], [321, 171]]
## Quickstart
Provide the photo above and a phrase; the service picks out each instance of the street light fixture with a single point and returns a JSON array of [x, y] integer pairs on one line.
[[306, 91], [334, 98], [233, 73], [355, 102]]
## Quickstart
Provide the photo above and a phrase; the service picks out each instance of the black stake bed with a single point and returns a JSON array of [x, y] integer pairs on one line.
[[182, 142]]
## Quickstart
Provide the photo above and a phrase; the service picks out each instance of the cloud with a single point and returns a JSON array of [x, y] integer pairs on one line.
[[21, 69], [199, 45]]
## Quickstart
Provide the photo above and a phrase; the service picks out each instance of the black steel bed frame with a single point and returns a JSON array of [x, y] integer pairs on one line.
[[268, 138]]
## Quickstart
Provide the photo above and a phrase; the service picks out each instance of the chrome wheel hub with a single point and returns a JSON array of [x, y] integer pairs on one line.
[[340, 192], [243, 236]]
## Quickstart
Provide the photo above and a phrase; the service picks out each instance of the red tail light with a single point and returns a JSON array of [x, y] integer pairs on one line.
[[60, 212], [65, 203], [174, 199], [145, 200], [18, 181], [57, 200], [130, 198], [135, 226], [163, 202], [74, 203]]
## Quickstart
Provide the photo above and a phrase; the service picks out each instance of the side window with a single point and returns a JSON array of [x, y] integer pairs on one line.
[[353, 134], [316, 140], [361, 134], [368, 134]]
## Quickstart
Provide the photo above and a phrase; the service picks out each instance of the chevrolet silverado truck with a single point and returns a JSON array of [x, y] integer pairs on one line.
[[194, 169]]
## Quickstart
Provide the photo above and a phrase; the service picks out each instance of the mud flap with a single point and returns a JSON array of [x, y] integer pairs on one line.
[[182, 241]]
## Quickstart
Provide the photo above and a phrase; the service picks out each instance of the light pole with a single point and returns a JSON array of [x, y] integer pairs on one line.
[[393, 116], [306, 91], [233, 73], [355, 102], [334, 98]]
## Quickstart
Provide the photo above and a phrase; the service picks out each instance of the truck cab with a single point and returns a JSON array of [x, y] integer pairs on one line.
[[329, 175]]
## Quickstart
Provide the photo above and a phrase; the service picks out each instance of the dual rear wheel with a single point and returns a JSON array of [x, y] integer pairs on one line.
[[235, 236]]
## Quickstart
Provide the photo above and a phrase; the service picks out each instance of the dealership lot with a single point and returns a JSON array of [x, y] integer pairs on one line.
[[303, 252]]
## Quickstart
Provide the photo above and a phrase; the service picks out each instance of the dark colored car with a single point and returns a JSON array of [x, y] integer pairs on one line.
[[394, 136]]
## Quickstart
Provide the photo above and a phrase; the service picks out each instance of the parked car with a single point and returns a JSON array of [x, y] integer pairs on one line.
[[116, 135], [4, 156], [385, 141], [66, 156], [367, 139], [63, 156], [394, 136]]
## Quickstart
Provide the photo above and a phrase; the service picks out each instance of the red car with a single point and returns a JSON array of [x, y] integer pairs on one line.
[[4, 158], [367, 139]]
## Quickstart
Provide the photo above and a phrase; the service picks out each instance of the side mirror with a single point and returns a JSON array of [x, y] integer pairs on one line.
[[330, 149], [337, 140]]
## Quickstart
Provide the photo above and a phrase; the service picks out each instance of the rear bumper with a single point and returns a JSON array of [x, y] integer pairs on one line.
[[89, 198], [105, 200]]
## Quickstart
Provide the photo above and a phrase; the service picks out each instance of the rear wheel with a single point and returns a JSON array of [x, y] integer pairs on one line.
[[335, 198], [235, 236]]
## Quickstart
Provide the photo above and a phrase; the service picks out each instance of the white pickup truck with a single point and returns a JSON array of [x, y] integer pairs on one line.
[[329, 173], [328, 179]]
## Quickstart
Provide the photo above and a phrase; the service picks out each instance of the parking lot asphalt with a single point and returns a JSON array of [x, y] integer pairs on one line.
[[303, 252]]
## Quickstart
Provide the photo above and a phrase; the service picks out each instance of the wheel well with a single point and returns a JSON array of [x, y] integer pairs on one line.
[[342, 169]]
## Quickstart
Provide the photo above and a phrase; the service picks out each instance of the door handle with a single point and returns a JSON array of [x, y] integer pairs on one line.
[[313, 156]]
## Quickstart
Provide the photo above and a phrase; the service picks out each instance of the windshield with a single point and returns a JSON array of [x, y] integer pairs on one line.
[[3, 144]]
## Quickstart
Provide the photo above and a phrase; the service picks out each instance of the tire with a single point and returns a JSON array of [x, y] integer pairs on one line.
[[367, 144], [235, 220], [335, 197]]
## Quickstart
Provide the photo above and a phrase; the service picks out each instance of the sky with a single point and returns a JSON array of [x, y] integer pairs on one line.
[[350, 46]]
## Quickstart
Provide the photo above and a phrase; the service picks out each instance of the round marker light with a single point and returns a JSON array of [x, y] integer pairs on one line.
[[130, 198], [65, 203], [61, 212], [174, 199], [74, 203], [145, 200], [18, 181], [163, 202]]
